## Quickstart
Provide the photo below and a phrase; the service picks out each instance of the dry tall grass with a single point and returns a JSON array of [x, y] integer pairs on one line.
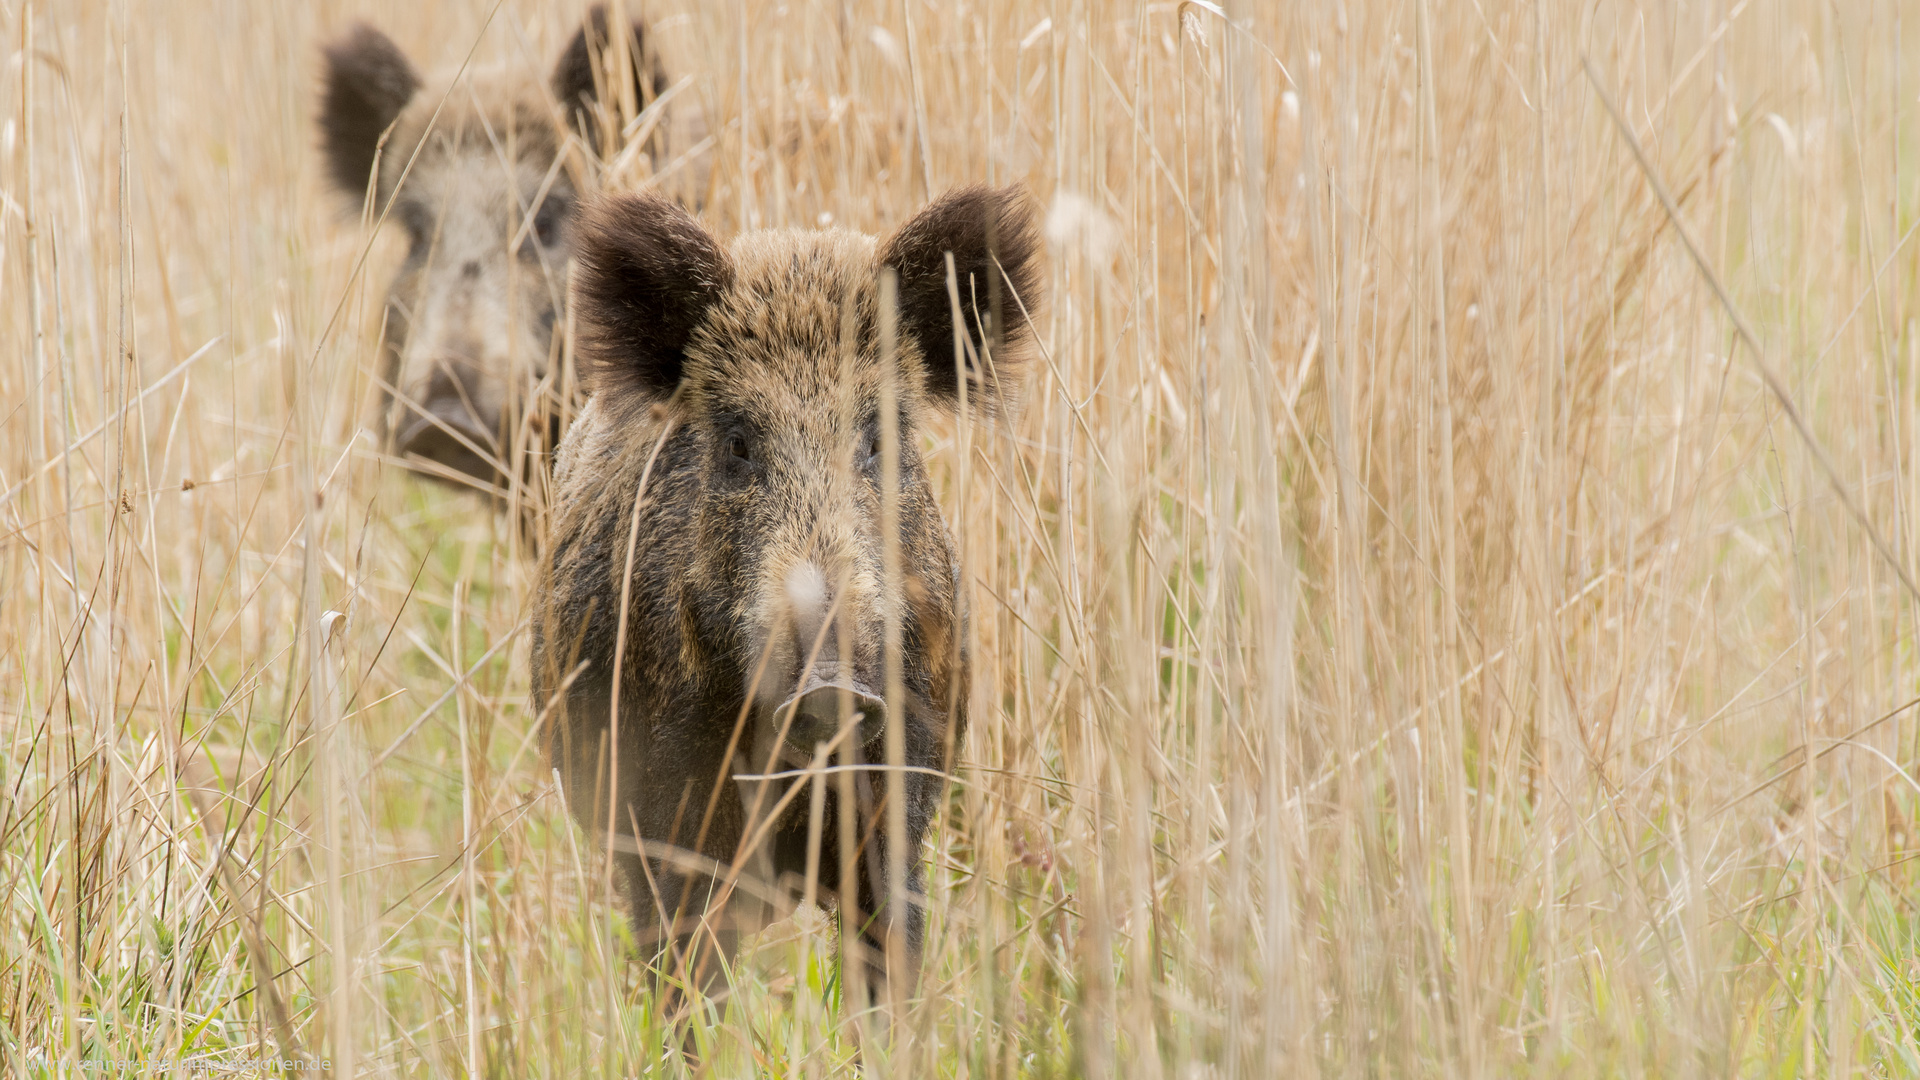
[[1411, 636]]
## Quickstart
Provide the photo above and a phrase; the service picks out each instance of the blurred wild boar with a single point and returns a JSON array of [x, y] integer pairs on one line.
[[718, 599], [478, 174]]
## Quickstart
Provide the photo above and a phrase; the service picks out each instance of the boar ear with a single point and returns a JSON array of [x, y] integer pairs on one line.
[[580, 76], [646, 272], [990, 234], [368, 82]]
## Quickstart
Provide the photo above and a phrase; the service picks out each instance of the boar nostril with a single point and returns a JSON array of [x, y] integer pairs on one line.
[[816, 714], [472, 269]]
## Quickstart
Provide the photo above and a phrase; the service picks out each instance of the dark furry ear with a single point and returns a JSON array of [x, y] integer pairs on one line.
[[368, 82], [580, 77], [991, 235], [645, 274]]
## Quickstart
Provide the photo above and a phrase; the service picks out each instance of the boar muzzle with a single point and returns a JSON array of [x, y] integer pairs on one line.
[[827, 693], [442, 427]]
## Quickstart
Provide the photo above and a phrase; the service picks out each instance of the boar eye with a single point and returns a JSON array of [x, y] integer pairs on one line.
[[741, 452], [544, 231], [868, 457], [416, 219], [549, 220]]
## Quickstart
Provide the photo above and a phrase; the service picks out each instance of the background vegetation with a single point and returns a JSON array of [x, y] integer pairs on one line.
[[1415, 634]]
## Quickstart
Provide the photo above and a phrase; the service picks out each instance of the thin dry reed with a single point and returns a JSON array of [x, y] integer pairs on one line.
[[1409, 637]]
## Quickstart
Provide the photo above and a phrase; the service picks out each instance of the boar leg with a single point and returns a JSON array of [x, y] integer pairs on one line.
[[871, 915], [705, 907], [674, 918]]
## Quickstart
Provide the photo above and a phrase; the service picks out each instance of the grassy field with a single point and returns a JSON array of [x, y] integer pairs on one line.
[[1445, 609]]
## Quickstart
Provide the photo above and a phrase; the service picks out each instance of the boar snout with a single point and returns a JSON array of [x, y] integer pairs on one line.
[[440, 426], [829, 693]]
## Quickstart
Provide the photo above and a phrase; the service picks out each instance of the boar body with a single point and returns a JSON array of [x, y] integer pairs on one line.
[[718, 600], [478, 175]]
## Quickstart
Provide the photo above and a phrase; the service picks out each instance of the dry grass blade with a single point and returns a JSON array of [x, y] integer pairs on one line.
[[1775, 383]]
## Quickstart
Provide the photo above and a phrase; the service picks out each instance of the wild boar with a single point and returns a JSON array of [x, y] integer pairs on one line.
[[477, 174], [718, 600]]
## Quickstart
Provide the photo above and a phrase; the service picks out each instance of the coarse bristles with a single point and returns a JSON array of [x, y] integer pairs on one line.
[[1409, 634]]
